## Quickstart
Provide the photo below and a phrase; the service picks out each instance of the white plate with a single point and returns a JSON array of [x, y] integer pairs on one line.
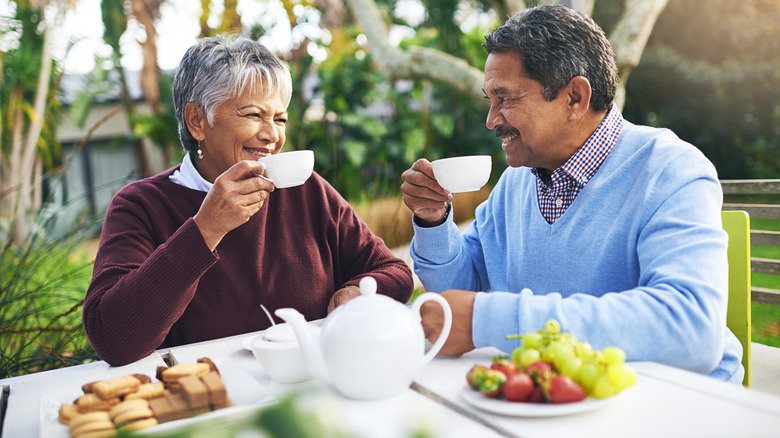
[[244, 391], [521, 409]]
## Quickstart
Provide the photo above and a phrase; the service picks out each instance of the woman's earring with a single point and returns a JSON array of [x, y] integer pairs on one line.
[[200, 152]]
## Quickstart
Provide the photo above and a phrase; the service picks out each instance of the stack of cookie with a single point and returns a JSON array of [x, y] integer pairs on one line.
[[135, 402]]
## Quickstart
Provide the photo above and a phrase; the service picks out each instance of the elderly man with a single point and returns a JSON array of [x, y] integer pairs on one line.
[[609, 227]]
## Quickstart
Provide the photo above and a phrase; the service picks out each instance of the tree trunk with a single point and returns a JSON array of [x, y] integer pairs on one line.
[[630, 36], [24, 213], [416, 62], [628, 40]]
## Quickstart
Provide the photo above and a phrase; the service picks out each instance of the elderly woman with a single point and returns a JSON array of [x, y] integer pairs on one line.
[[191, 254]]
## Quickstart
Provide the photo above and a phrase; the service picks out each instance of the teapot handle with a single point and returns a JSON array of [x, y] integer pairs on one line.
[[445, 330]]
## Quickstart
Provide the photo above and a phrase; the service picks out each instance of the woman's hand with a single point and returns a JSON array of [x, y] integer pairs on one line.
[[423, 194], [342, 296], [237, 195]]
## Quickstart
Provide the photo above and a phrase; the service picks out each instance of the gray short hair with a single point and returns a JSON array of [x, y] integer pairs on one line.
[[558, 43], [222, 67]]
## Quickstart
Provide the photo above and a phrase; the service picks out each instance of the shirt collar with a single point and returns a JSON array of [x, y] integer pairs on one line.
[[187, 175], [582, 166]]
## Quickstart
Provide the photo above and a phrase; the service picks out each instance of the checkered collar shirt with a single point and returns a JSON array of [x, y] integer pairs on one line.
[[557, 192]]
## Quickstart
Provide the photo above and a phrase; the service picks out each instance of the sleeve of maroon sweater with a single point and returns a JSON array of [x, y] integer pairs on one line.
[[363, 253], [139, 289]]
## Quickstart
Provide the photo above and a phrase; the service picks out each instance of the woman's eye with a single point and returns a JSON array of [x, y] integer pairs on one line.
[[281, 121]]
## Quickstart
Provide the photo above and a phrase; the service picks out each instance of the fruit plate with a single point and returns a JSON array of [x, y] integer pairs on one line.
[[519, 409]]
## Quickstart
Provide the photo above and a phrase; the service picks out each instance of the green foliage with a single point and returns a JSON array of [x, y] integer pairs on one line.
[[712, 75], [371, 127], [286, 418], [42, 287]]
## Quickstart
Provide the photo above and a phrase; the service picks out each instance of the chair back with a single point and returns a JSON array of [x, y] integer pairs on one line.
[[737, 225]]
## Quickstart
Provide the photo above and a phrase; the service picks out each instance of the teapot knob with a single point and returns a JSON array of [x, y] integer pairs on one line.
[[367, 286]]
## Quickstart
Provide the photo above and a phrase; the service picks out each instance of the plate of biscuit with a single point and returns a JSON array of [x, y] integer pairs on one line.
[[178, 395]]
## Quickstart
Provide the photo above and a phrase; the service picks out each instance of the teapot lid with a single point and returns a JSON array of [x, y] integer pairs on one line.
[[369, 299]]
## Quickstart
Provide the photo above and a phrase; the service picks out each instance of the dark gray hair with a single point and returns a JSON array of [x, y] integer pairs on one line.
[[219, 68], [558, 43]]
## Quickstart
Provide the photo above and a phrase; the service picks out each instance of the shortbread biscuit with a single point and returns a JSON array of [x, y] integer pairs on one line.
[[140, 424], [132, 415], [91, 402], [128, 405], [107, 433], [68, 411], [89, 423], [116, 387], [178, 371], [147, 391], [211, 363]]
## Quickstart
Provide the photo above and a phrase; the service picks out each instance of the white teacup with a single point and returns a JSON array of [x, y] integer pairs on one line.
[[280, 355], [289, 169], [462, 174]]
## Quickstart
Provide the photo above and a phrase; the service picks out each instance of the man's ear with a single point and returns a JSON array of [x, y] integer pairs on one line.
[[196, 121], [578, 92]]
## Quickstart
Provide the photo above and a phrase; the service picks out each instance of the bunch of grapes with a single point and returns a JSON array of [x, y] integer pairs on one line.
[[601, 374]]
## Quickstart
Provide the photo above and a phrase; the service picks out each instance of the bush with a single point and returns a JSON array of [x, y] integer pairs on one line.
[[42, 286]]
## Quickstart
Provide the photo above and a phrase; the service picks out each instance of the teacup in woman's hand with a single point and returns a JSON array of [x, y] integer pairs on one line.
[[289, 169]]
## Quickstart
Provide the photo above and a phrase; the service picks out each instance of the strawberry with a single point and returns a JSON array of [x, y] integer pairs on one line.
[[540, 371], [491, 383], [562, 389], [475, 375], [518, 387], [537, 396], [503, 364]]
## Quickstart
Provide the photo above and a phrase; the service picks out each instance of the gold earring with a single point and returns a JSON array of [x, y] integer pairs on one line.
[[200, 152]]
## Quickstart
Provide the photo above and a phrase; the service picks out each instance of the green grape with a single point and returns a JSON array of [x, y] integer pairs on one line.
[[532, 340], [552, 326], [571, 367], [516, 354], [621, 376], [562, 356], [584, 350], [548, 354], [529, 356], [613, 356], [589, 373], [603, 388]]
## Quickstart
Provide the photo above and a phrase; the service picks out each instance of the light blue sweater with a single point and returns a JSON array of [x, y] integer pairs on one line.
[[637, 261]]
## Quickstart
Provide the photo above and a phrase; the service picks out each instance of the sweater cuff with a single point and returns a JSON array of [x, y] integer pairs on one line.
[[199, 253], [495, 316], [436, 244]]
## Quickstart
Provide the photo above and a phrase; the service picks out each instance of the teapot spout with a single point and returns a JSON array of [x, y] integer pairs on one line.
[[312, 351]]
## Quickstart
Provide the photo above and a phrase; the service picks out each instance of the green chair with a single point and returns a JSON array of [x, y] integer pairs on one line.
[[737, 225]]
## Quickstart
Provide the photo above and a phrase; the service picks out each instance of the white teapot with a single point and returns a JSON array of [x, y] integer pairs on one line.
[[371, 347]]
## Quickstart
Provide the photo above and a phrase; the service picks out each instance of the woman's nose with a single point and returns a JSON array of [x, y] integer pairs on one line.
[[269, 133]]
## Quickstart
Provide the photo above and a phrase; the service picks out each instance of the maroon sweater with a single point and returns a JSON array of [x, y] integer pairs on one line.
[[156, 284]]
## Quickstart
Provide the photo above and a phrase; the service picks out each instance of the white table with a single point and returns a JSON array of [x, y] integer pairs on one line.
[[666, 402], [22, 416]]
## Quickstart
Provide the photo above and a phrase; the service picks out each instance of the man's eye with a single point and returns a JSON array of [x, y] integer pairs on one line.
[[281, 120]]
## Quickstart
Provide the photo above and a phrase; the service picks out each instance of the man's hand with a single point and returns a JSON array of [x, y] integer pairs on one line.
[[462, 304], [342, 296], [423, 194]]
